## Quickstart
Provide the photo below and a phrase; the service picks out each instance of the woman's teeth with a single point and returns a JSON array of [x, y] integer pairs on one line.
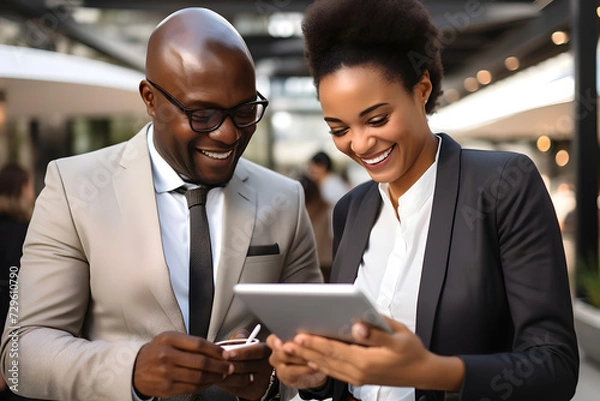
[[378, 158]]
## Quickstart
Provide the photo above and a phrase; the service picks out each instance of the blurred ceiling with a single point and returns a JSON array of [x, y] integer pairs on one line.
[[477, 34], [40, 83]]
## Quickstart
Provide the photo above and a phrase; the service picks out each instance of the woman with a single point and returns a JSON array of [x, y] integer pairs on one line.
[[459, 248]]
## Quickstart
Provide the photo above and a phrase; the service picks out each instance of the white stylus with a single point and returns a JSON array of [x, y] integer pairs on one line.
[[253, 334]]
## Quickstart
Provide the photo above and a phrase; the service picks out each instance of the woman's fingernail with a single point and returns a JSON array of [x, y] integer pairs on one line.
[[361, 330]]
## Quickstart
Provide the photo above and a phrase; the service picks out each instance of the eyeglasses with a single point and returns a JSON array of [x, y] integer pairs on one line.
[[206, 120]]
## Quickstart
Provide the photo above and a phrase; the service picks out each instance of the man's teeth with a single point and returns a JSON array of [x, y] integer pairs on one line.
[[378, 158], [216, 155]]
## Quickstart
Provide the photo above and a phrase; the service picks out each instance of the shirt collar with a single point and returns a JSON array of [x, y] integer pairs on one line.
[[165, 178]]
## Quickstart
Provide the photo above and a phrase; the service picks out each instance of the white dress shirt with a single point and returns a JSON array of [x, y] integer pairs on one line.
[[390, 271], [174, 219]]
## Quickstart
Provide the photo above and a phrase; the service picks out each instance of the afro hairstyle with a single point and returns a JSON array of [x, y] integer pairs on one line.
[[398, 36]]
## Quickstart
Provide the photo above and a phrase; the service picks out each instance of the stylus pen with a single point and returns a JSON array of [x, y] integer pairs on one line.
[[253, 334]]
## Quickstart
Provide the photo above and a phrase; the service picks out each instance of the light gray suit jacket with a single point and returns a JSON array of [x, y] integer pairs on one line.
[[94, 285]]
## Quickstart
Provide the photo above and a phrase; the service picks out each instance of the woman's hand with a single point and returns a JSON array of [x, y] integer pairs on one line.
[[292, 370], [397, 359]]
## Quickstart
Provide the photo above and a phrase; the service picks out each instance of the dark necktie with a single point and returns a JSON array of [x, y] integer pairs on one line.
[[201, 269]]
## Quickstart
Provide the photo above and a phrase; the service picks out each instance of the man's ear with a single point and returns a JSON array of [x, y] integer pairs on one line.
[[148, 97]]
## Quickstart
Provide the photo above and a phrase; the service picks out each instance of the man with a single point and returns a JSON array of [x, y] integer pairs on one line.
[[103, 291]]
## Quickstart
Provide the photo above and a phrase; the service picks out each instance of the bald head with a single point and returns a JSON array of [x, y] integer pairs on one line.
[[197, 64], [188, 35]]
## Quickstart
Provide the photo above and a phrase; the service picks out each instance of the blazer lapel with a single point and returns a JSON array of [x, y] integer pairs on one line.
[[134, 190], [356, 236], [435, 262], [238, 226]]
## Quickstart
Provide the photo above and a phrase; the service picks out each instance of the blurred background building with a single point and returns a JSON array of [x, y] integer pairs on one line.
[[70, 69], [69, 72]]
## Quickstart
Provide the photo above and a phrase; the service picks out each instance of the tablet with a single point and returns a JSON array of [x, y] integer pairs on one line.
[[328, 310]]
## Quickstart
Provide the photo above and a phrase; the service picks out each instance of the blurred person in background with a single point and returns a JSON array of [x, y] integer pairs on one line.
[[331, 184], [565, 205], [16, 203], [564, 202], [110, 305], [319, 212], [459, 249]]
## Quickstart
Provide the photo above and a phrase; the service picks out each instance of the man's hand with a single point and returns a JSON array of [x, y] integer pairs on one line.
[[252, 372], [175, 363]]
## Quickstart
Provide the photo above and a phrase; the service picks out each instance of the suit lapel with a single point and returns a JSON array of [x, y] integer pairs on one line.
[[356, 236], [134, 189], [238, 225], [435, 262]]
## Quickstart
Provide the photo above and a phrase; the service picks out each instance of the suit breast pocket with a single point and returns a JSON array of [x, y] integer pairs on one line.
[[262, 267], [263, 250]]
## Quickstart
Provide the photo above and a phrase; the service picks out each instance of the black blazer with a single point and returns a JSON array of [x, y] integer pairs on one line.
[[494, 287]]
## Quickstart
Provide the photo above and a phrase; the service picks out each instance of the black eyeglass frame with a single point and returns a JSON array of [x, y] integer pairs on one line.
[[224, 112]]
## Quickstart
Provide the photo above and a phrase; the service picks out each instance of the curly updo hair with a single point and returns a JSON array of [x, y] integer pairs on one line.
[[398, 36]]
